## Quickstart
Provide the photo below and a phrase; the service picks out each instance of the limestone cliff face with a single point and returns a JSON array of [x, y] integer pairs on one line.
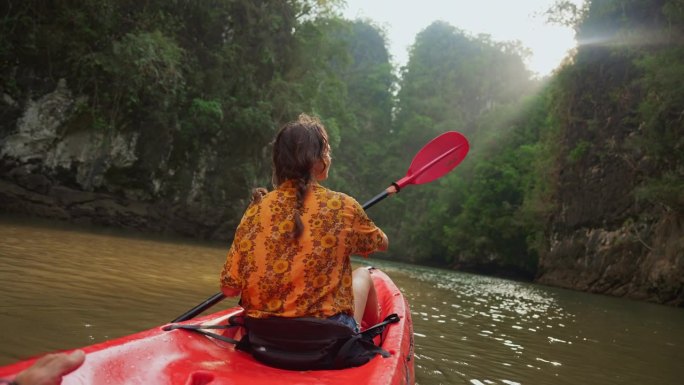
[[603, 239], [40, 143], [636, 260], [51, 170]]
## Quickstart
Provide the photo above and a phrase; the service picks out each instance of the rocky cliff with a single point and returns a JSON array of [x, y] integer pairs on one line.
[[603, 236], [50, 168]]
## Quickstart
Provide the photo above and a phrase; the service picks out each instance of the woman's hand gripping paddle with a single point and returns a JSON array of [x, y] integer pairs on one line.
[[433, 161]]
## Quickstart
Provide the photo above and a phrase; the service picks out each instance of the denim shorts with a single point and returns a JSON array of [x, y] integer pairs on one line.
[[345, 319]]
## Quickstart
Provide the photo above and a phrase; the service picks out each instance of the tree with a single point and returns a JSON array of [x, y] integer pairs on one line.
[[456, 82]]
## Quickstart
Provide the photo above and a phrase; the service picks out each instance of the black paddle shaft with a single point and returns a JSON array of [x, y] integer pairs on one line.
[[211, 301], [381, 196], [375, 200]]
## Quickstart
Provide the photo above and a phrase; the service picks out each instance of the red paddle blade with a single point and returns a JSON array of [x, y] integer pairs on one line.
[[437, 158]]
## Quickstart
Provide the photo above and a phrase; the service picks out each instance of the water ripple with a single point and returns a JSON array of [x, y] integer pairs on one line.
[[483, 330]]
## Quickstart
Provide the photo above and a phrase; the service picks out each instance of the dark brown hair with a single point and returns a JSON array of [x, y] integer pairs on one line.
[[297, 147]]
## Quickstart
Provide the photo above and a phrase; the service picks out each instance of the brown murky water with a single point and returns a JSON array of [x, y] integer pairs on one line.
[[65, 287]]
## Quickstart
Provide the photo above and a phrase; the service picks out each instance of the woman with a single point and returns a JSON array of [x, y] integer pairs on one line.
[[290, 254]]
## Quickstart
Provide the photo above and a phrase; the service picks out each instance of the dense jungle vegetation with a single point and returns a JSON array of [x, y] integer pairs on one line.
[[206, 83]]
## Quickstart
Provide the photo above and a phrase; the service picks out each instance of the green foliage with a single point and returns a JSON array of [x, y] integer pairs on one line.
[[666, 190], [152, 60], [204, 120], [661, 133], [472, 217], [452, 79], [141, 69], [634, 62], [566, 13], [208, 113], [501, 220], [581, 149], [660, 110]]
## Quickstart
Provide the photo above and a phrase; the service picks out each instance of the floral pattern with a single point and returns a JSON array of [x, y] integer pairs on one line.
[[310, 276]]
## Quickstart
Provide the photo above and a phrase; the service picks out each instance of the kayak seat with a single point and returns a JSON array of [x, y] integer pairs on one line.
[[306, 343]]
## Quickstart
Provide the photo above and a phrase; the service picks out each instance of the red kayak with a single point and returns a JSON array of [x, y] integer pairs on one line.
[[183, 357]]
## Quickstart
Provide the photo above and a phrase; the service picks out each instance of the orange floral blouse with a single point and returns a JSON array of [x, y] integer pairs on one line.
[[311, 276]]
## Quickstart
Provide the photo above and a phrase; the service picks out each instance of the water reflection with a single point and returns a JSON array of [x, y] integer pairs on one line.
[[481, 330]]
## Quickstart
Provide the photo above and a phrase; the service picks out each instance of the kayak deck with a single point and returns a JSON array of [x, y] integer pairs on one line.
[[156, 356]]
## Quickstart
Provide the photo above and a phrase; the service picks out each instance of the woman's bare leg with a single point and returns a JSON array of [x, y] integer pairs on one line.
[[365, 299]]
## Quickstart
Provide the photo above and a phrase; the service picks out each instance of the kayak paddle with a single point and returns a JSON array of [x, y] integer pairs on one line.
[[433, 161]]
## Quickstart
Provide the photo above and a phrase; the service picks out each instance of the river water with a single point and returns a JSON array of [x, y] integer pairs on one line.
[[65, 287]]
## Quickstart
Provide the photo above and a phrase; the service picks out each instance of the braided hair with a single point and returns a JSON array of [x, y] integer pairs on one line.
[[297, 147]]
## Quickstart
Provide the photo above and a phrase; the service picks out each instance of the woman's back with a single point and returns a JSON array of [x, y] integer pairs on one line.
[[311, 275]]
